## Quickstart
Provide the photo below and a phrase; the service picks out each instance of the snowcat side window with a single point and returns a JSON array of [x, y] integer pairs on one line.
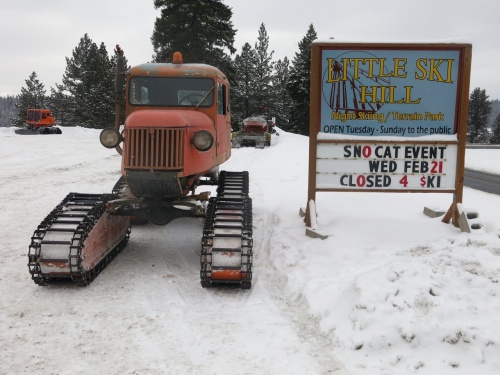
[[221, 99]]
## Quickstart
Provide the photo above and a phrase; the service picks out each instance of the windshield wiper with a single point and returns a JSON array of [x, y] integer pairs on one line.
[[206, 96]]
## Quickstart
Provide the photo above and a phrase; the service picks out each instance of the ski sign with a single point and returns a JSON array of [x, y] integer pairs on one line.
[[388, 117]]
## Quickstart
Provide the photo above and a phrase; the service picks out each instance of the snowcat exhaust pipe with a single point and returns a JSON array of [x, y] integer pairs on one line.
[[119, 92]]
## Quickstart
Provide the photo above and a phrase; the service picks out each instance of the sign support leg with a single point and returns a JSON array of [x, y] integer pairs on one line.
[[452, 214]]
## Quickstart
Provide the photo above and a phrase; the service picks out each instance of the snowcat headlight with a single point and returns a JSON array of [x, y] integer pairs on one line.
[[110, 138], [203, 140]]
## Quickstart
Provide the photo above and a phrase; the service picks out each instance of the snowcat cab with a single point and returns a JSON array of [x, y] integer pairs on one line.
[[175, 136]]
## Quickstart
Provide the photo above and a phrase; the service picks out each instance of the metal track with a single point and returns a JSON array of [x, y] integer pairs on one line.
[[226, 246], [57, 246]]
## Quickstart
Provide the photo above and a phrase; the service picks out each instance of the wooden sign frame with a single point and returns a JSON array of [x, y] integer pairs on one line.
[[366, 88]]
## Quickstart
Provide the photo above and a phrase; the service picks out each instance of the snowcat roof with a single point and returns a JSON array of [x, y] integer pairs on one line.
[[177, 70]]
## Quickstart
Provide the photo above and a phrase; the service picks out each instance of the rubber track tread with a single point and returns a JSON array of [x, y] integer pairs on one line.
[[235, 208]]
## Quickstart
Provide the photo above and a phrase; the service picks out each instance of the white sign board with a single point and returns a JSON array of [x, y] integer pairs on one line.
[[386, 166]]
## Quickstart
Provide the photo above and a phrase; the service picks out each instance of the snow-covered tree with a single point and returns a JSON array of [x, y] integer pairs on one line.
[[264, 93], [253, 90], [479, 109], [200, 29], [495, 131], [90, 80], [32, 96], [299, 84], [59, 104], [281, 104], [244, 86], [495, 111], [7, 110]]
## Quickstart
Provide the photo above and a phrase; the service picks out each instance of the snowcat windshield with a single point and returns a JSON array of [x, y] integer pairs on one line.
[[171, 91], [33, 115]]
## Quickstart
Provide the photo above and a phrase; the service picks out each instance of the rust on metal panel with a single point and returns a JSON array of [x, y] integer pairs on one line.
[[176, 70], [104, 236]]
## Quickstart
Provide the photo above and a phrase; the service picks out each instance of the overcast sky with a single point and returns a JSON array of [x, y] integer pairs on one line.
[[37, 36]]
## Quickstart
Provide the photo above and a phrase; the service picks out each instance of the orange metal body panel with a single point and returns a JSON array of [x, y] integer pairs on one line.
[[192, 119], [228, 275], [157, 118], [223, 140], [152, 121], [39, 118], [177, 70], [105, 235]]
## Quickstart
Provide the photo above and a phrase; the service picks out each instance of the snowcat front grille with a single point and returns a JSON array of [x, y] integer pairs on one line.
[[154, 149]]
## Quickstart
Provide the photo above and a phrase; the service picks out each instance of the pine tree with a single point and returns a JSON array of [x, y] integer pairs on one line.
[[7, 110], [59, 104], [252, 88], [495, 111], [89, 78], [244, 86], [281, 105], [263, 92], [32, 96], [495, 133], [77, 81], [104, 89], [200, 29], [479, 109], [299, 84]]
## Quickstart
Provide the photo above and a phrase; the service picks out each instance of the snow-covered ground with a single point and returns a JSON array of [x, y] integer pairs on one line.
[[390, 291]]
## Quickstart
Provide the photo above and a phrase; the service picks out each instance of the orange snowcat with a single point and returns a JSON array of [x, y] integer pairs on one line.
[[176, 134], [39, 121]]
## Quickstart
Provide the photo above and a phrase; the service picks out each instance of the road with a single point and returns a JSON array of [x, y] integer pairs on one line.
[[483, 181], [487, 182]]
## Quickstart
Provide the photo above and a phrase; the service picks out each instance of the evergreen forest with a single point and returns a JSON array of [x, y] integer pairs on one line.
[[203, 31]]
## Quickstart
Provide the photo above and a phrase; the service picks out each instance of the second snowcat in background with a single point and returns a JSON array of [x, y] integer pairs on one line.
[[39, 121], [256, 132]]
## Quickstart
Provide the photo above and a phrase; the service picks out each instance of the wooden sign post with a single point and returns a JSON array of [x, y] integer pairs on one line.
[[388, 117]]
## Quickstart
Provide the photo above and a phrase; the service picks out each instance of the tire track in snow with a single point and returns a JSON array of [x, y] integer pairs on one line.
[[319, 344], [235, 322]]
